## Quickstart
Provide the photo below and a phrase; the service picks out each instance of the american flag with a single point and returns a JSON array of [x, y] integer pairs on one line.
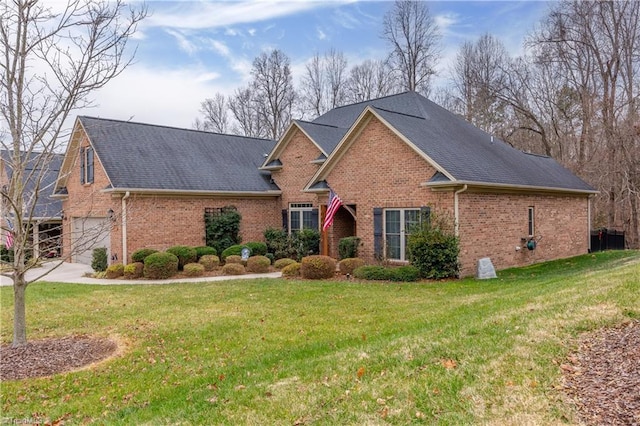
[[9, 237], [334, 204]]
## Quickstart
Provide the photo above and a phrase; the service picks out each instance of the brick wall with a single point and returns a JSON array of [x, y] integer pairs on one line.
[[158, 221], [493, 225]]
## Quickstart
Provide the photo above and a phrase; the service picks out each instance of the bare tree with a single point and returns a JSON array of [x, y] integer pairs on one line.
[[51, 62], [323, 85], [272, 87], [371, 79], [243, 105], [216, 115], [414, 38]]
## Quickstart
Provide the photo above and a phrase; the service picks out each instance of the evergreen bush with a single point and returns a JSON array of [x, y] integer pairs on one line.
[[291, 270], [114, 271], [318, 267], [205, 250], [405, 273], [233, 269], [348, 247], [348, 265], [141, 255], [234, 250], [99, 261], [193, 270], [222, 228], [258, 264], [185, 254], [133, 270], [433, 248], [281, 263], [209, 261], [257, 248], [160, 265], [234, 258]]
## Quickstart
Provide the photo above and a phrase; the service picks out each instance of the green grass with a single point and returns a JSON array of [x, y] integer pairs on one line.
[[321, 352]]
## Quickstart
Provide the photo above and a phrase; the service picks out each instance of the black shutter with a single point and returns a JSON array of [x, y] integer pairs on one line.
[[285, 220], [89, 165], [314, 219], [82, 164], [378, 242]]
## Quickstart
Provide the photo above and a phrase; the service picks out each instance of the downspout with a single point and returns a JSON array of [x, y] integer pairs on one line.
[[589, 223], [124, 227], [456, 210]]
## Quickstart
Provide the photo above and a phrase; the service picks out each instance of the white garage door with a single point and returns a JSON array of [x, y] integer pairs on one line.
[[89, 233]]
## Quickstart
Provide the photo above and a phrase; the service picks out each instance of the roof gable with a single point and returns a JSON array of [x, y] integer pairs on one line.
[[315, 135], [149, 157]]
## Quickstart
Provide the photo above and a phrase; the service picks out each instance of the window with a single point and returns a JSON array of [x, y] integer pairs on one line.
[[302, 216], [531, 221], [86, 165], [398, 224]]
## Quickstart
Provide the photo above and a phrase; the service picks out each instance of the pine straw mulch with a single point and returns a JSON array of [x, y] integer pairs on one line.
[[602, 379]]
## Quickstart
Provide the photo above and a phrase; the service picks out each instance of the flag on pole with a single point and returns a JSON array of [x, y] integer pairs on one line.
[[334, 204], [9, 237]]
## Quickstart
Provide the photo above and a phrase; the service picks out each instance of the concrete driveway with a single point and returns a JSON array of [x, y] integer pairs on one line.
[[74, 273]]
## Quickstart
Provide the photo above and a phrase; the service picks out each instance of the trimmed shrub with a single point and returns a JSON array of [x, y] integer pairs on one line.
[[209, 261], [204, 251], [99, 261], [347, 265], [433, 249], [233, 269], [318, 267], [133, 270], [258, 264], [291, 270], [278, 243], [141, 255], [193, 270], [406, 273], [257, 248], [348, 247], [115, 270], [235, 250], [306, 242], [281, 263], [160, 265], [185, 254], [271, 257], [235, 259]]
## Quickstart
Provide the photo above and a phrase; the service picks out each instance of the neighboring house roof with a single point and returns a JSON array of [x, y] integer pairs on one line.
[[461, 152], [137, 156], [42, 170]]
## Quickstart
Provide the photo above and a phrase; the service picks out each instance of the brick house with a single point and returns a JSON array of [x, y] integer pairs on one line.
[[389, 160]]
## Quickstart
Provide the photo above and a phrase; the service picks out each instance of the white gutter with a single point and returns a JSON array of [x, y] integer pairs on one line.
[[143, 191], [124, 227], [589, 223], [456, 210], [506, 186]]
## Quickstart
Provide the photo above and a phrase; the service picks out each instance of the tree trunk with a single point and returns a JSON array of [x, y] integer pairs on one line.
[[19, 310]]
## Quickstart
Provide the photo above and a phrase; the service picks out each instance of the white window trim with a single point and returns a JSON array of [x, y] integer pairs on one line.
[[298, 207], [402, 210]]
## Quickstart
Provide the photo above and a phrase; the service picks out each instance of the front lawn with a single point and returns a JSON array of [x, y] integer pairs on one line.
[[286, 352]]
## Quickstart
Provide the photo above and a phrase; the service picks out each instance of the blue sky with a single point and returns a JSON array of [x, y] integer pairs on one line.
[[189, 50]]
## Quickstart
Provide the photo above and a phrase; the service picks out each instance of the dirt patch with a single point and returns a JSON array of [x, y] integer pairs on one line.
[[603, 378], [53, 356]]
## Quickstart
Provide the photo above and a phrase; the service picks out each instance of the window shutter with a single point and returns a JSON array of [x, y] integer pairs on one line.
[[314, 219], [82, 163], [89, 165], [378, 242], [285, 220], [425, 214]]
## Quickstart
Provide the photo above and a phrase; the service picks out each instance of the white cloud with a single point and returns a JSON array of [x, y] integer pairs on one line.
[[445, 21], [321, 34], [184, 43]]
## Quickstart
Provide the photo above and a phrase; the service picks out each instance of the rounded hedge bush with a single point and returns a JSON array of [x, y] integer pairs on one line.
[[234, 258], [185, 254], [235, 250], [281, 263], [257, 248], [194, 270], [380, 273], [204, 251], [160, 265], [233, 269], [209, 261], [318, 267], [258, 264], [291, 270], [133, 270], [347, 265], [141, 255], [114, 271]]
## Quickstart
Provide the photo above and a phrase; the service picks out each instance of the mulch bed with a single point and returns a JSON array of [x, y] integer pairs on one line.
[[52, 356], [603, 378]]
